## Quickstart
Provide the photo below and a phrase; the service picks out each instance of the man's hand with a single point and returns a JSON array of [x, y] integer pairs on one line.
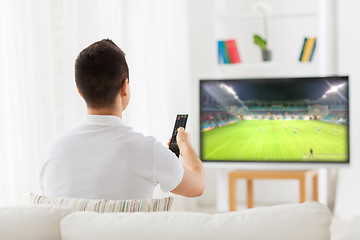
[[193, 182], [183, 140], [182, 136]]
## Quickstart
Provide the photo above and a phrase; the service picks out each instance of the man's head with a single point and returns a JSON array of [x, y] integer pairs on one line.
[[100, 73]]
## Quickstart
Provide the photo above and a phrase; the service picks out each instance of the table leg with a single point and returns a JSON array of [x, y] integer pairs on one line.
[[232, 193], [315, 187], [250, 193], [302, 181]]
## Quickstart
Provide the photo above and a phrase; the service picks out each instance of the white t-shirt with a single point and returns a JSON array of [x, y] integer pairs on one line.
[[102, 158]]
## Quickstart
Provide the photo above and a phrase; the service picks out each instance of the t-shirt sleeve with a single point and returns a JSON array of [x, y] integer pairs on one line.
[[168, 169]]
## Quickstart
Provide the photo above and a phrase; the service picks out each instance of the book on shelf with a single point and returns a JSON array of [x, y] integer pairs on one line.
[[233, 51], [228, 52], [223, 53], [308, 49]]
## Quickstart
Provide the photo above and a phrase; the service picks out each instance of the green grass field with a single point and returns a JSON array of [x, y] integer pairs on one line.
[[275, 140]]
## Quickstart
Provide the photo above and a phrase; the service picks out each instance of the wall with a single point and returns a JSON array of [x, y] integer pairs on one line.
[[348, 196], [200, 31]]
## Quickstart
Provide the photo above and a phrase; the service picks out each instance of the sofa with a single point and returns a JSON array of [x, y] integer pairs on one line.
[[307, 221]]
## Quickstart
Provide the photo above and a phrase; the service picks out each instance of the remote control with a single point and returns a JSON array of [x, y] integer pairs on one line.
[[180, 122]]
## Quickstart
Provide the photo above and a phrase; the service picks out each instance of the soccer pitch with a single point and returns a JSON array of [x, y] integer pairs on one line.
[[276, 140]]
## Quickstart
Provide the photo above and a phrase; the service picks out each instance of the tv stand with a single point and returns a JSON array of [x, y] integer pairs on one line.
[[250, 175]]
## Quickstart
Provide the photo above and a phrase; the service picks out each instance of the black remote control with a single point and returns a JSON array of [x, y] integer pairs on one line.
[[180, 122]]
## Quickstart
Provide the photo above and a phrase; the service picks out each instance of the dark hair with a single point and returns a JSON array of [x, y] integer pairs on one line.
[[100, 71]]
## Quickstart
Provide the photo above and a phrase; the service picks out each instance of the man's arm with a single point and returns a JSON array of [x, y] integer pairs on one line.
[[193, 182]]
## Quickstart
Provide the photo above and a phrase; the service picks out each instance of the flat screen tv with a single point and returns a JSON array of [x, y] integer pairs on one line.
[[290, 120]]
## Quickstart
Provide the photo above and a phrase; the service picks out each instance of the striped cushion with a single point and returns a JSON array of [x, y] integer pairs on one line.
[[102, 205]]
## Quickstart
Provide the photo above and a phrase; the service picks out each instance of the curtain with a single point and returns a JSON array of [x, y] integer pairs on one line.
[[39, 42], [27, 104]]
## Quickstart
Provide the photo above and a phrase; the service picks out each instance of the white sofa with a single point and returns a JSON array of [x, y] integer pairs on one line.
[[308, 221]]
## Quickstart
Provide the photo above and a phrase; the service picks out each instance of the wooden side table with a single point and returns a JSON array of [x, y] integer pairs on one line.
[[250, 175]]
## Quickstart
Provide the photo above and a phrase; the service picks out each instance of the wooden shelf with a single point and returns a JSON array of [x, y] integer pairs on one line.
[[268, 69], [246, 17]]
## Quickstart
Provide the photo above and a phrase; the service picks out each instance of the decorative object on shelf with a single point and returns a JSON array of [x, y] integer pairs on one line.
[[263, 8], [308, 49], [228, 52], [266, 53]]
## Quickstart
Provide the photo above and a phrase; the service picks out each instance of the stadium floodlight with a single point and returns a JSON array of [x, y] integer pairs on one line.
[[229, 90], [334, 89]]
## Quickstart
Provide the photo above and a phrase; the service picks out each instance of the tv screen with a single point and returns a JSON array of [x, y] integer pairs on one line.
[[275, 120]]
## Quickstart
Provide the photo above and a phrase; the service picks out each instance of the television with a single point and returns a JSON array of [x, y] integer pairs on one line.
[[275, 120]]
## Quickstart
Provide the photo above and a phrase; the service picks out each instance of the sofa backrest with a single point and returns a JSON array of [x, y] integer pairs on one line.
[[310, 221]]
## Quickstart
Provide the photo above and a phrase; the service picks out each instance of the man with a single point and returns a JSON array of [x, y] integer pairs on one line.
[[102, 158]]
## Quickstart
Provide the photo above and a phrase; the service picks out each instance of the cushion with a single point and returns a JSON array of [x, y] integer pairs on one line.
[[310, 221], [102, 205], [31, 222], [353, 232]]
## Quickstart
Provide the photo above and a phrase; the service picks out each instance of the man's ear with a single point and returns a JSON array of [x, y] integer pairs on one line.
[[124, 91], [79, 91]]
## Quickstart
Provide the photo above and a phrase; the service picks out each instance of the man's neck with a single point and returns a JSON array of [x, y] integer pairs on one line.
[[105, 111]]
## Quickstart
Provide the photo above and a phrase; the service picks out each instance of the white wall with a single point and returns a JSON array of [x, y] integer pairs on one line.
[[200, 31], [348, 194]]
